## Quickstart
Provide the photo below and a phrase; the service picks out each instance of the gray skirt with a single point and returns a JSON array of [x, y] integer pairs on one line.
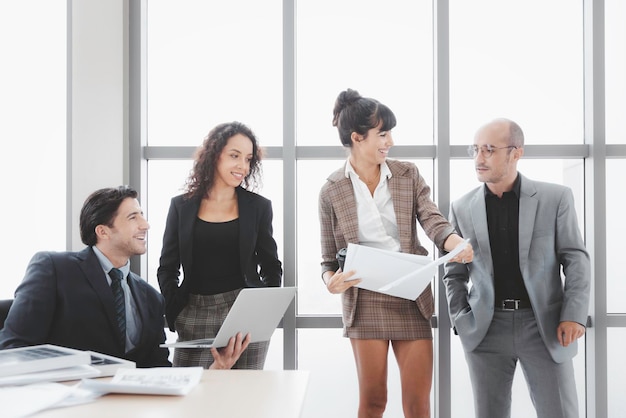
[[383, 317], [202, 317]]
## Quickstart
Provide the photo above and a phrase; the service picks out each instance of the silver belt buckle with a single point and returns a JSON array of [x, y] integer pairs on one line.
[[510, 304]]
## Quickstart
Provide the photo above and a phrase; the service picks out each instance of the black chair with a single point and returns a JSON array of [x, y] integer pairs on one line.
[[5, 305]]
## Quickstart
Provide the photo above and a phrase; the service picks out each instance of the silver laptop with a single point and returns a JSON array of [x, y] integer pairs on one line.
[[257, 311]]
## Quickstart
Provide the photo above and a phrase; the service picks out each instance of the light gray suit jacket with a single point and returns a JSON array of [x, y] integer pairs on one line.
[[549, 238]]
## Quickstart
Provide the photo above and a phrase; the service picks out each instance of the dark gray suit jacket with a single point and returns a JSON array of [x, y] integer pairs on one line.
[[65, 300], [258, 254], [549, 239]]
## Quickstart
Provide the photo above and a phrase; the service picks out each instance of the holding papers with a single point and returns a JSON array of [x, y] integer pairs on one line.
[[393, 273]]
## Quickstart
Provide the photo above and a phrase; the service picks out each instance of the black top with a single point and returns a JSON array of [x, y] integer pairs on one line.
[[258, 253], [216, 267], [503, 223]]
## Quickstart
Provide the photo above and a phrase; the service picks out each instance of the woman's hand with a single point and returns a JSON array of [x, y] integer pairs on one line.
[[465, 256], [339, 282], [226, 357]]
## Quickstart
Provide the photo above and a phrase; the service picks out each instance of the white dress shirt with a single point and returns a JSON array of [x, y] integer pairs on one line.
[[378, 227]]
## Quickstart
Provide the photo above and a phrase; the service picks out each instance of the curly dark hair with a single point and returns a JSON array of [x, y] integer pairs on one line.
[[202, 175], [355, 113], [100, 208]]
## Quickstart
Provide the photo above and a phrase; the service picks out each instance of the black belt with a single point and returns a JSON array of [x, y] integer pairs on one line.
[[513, 304]]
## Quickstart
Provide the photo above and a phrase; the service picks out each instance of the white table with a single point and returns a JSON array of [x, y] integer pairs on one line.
[[220, 393]]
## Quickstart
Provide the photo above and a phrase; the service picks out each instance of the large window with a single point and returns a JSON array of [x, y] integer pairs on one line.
[[616, 277], [382, 51], [615, 35], [33, 41], [615, 357], [279, 65], [211, 62], [508, 60], [615, 79]]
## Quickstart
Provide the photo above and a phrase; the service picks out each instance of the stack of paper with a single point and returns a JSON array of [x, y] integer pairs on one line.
[[45, 362], [51, 363], [393, 273], [28, 376], [153, 381]]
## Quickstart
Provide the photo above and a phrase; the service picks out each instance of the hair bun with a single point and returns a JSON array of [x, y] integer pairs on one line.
[[345, 99]]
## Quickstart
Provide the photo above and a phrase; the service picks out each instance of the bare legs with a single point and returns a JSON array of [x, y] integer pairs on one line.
[[415, 362]]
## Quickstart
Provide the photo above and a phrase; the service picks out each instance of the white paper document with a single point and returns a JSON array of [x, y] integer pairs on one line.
[[58, 375], [393, 273], [148, 381], [39, 358], [23, 401]]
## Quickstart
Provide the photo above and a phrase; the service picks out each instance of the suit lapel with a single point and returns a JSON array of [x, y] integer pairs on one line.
[[188, 215], [344, 203], [527, 213], [401, 189], [95, 276], [478, 212], [246, 226]]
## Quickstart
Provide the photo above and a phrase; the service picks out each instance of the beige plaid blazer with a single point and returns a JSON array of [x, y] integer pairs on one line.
[[411, 201]]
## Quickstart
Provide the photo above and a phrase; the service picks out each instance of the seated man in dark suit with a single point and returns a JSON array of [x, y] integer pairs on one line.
[[70, 298]]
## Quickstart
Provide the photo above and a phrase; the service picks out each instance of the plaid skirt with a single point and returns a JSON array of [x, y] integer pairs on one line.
[[383, 317], [202, 317]]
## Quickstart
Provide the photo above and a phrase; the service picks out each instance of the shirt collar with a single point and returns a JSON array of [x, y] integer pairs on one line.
[[107, 265], [384, 170]]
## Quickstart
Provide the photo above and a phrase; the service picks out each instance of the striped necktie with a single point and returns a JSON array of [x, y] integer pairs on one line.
[[119, 303]]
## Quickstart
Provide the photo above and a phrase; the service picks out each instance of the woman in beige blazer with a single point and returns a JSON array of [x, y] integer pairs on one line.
[[374, 201]]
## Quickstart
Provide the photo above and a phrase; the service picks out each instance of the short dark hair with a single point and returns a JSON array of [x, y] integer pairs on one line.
[[100, 208], [355, 113]]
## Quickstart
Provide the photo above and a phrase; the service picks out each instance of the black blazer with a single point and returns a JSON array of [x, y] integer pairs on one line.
[[65, 300], [257, 248]]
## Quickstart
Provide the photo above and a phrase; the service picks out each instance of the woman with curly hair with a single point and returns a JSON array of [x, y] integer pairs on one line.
[[220, 233]]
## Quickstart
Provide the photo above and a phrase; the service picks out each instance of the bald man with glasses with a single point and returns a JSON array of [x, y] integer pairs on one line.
[[510, 304]]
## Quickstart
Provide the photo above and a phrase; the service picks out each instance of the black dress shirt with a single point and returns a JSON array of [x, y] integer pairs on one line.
[[503, 224]]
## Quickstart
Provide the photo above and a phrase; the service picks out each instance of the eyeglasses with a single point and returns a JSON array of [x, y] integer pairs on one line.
[[485, 150]]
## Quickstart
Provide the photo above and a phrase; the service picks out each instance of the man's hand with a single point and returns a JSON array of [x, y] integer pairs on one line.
[[226, 357], [568, 332]]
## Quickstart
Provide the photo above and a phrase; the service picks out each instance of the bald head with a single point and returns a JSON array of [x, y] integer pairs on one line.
[[501, 144], [504, 129]]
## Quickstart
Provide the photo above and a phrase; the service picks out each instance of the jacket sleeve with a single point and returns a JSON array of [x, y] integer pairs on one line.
[[153, 354], [574, 258], [456, 280], [327, 234], [31, 314], [434, 224], [169, 264], [271, 270]]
